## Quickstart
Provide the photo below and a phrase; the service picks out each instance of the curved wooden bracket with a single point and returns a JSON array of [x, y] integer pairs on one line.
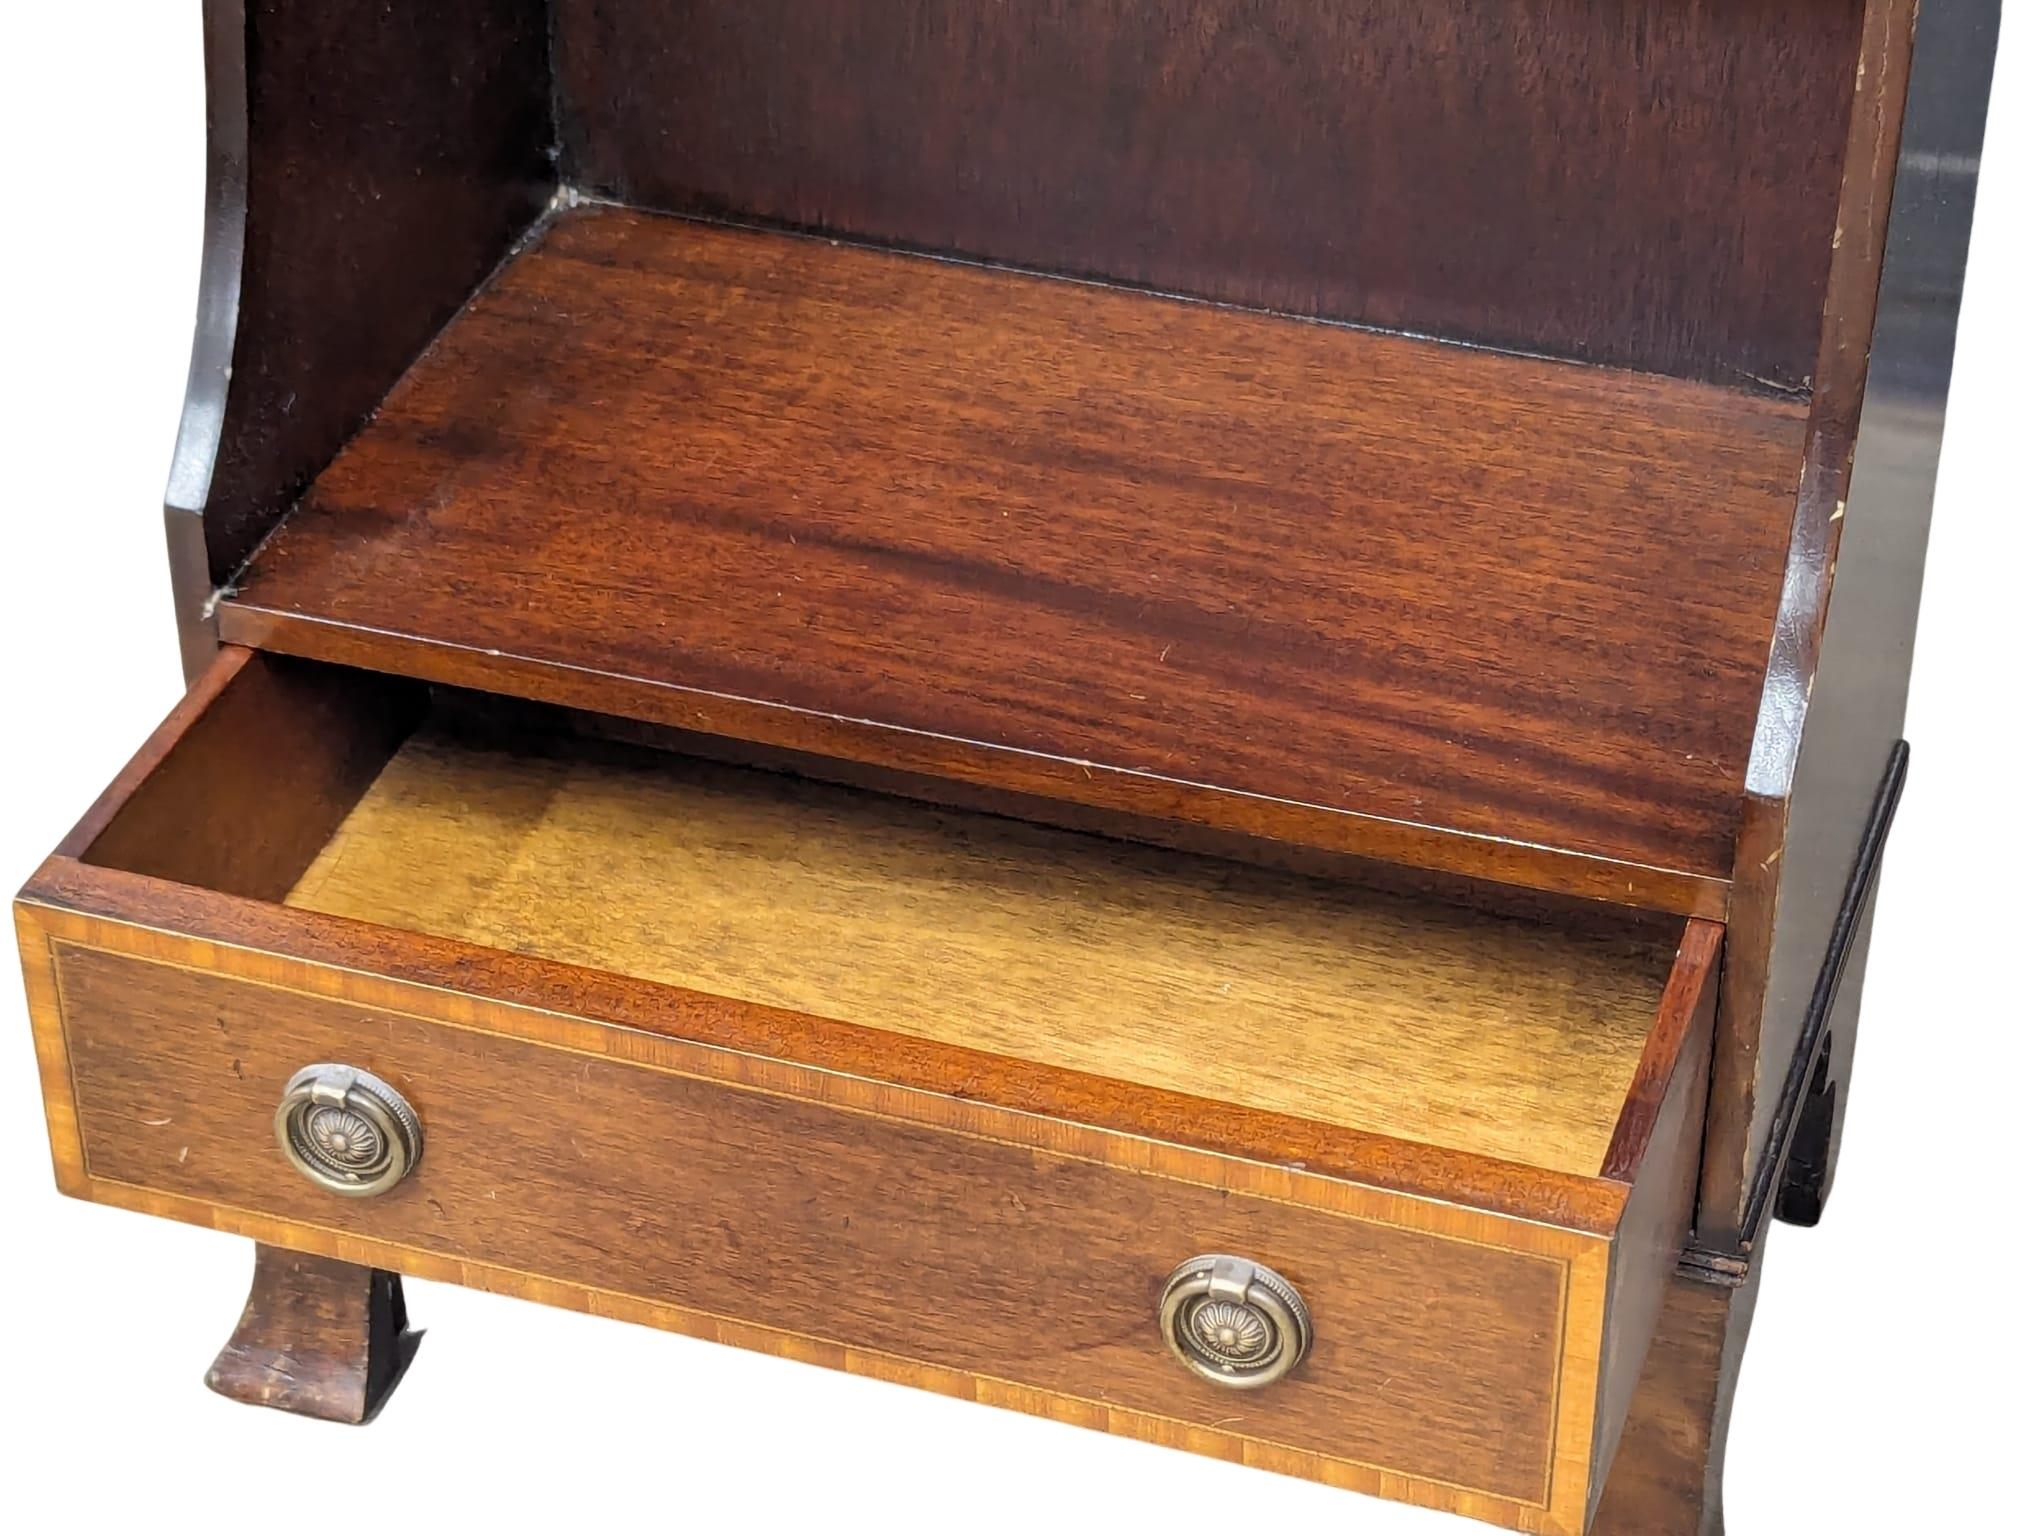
[[368, 167], [1811, 1057], [1791, 1173]]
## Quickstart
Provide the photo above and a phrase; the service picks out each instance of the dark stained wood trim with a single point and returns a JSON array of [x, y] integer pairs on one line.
[[1664, 1176], [207, 386], [1686, 1009]]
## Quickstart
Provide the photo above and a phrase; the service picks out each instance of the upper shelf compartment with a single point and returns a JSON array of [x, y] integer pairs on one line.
[[1481, 613]]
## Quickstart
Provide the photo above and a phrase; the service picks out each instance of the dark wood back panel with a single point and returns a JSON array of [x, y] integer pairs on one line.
[[1650, 186]]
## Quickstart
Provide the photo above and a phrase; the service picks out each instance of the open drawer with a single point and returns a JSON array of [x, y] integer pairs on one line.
[[929, 1094]]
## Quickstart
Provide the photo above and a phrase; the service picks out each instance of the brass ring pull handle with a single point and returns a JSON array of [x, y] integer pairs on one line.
[[347, 1130], [1234, 1322]]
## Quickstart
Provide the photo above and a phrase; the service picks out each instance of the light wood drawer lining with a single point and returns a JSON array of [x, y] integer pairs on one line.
[[1500, 1037]]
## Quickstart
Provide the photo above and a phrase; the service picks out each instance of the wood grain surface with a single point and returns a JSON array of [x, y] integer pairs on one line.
[[850, 1193], [391, 968], [1474, 612], [1506, 1038], [1654, 187], [1658, 1153], [251, 774], [1457, 1354], [1667, 1478], [369, 165], [1285, 583], [318, 1337]]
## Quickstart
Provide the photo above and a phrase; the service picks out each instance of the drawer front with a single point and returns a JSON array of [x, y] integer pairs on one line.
[[911, 1236]]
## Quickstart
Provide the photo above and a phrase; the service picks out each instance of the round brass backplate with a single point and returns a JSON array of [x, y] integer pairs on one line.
[[347, 1130], [1234, 1322]]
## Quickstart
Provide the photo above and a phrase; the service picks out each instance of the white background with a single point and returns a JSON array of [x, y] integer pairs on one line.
[[1888, 1380]]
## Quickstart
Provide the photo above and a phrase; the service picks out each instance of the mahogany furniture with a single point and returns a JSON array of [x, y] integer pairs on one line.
[[1223, 680]]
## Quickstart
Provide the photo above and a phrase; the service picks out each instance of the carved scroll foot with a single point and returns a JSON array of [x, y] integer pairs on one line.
[[318, 1337], [1667, 1477]]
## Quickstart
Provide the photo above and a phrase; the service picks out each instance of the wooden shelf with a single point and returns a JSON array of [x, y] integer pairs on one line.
[[1480, 613]]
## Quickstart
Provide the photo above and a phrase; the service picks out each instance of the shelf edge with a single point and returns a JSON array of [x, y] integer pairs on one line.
[[1439, 849]]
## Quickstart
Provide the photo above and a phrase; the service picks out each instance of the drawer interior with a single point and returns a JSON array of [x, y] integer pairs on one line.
[[671, 1020], [1525, 1039]]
